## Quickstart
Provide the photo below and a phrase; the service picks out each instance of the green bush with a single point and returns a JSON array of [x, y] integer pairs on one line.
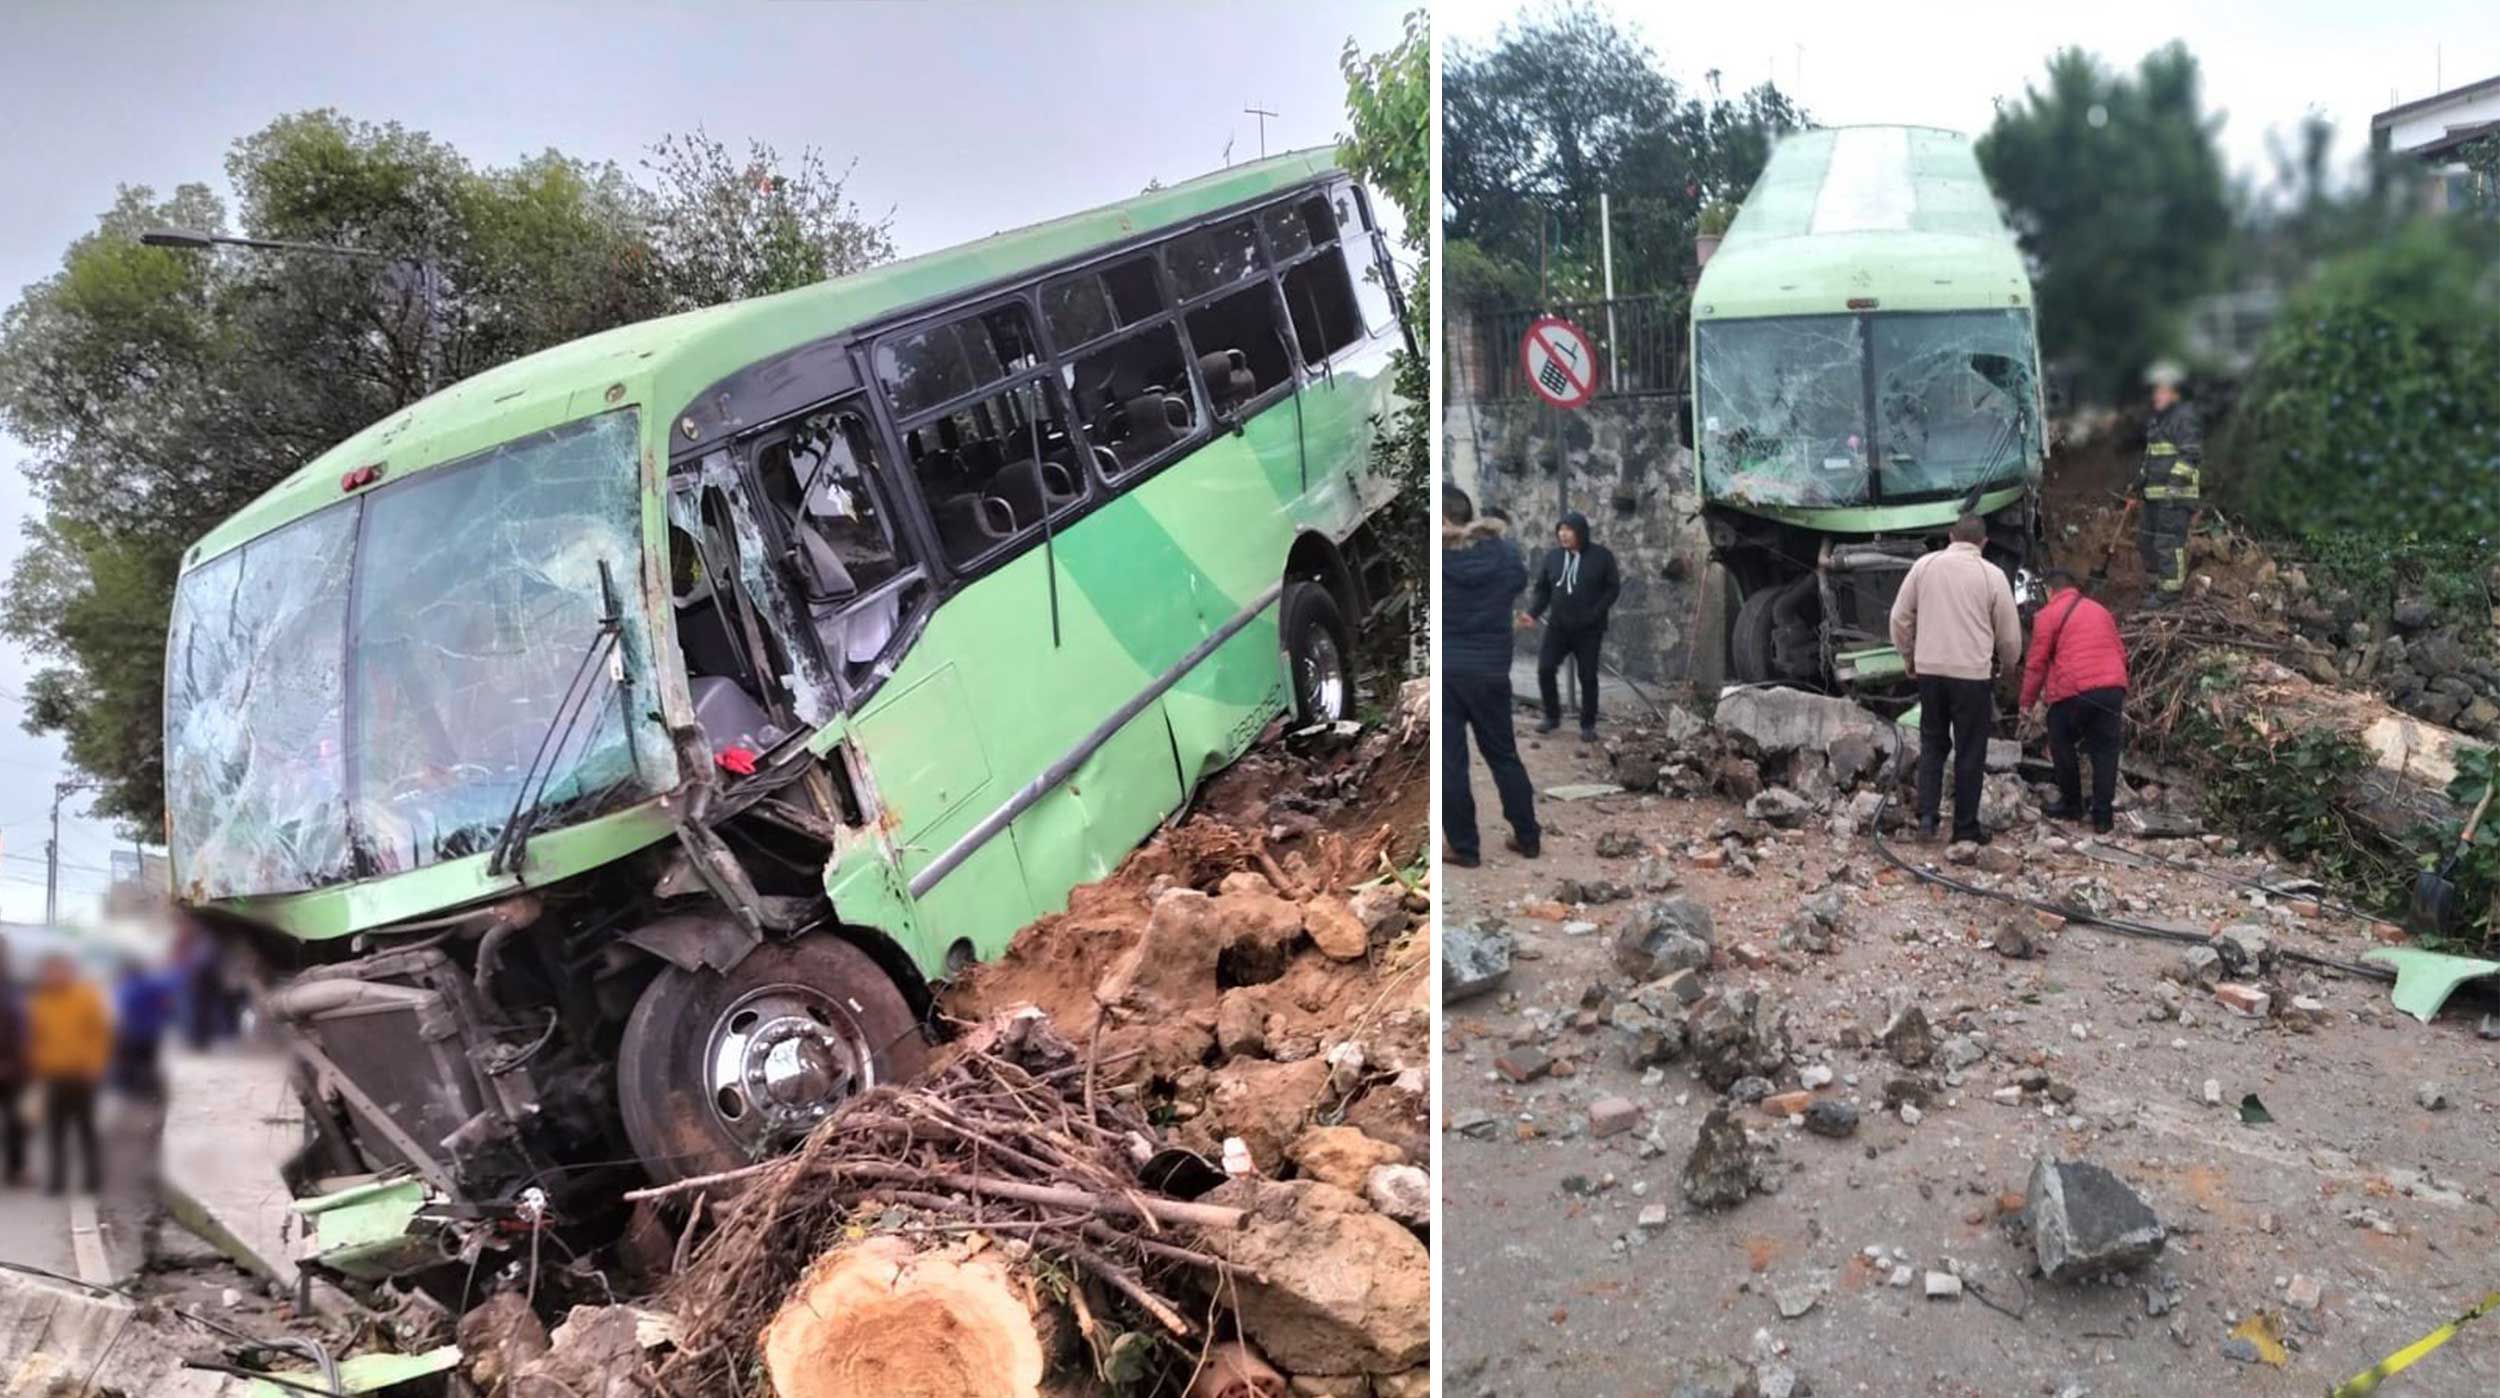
[[2374, 407]]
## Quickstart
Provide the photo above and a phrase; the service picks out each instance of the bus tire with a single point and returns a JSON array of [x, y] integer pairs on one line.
[[717, 1068], [1319, 655], [1752, 641]]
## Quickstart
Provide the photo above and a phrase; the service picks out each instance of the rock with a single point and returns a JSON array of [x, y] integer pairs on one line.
[[1794, 1298], [1653, 1216], [2489, 1028], [1341, 1155], [2431, 1096], [2004, 754], [1852, 757], [1591, 891], [1736, 1032], [2200, 965], [1909, 1091], [1334, 928], [2245, 949], [1943, 1286], [1326, 1284], [1612, 1116], [1263, 1102], [1663, 936], [2414, 614], [597, 1352], [1474, 960], [1832, 1117], [1655, 874], [1780, 807], [1746, 1091], [2012, 939], [2304, 1293], [2085, 1221], [1740, 779], [1381, 908], [1960, 1051], [1403, 1192], [1907, 1038], [1714, 1376], [1241, 1023], [1805, 934], [1618, 844], [1720, 1171], [498, 1338]]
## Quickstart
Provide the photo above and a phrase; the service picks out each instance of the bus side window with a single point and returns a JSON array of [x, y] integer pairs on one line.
[[1366, 259], [1241, 345], [847, 558], [978, 469], [1135, 398], [1319, 293]]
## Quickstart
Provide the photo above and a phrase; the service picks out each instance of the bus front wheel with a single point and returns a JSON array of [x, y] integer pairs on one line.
[[1317, 654], [720, 1069]]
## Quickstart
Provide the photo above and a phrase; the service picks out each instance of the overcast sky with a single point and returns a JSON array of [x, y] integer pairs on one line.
[[1943, 62], [965, 119]]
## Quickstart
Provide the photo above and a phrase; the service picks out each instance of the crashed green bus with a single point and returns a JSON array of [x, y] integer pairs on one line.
[[1865, 369], [613, 749]]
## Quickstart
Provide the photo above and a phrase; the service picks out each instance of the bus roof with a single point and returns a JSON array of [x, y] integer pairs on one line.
[[1899, 215], [674, 357]]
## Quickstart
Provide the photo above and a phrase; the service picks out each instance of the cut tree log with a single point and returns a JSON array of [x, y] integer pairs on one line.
[[879, 1318]]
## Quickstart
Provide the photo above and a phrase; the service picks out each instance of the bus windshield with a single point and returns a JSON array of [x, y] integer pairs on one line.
[[1864, 409], [364, 690]]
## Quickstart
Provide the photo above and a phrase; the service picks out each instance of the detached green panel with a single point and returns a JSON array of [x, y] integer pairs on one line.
[[364, 1373], [1085, 826], [2425, 979]]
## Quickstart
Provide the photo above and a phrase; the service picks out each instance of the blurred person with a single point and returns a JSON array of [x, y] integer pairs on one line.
[[12, 1074], [2078, 664], [143, 1009], [2168, 486], [1576, 586], [1481, 579], [1954, 623], [205, 1005], [69, 1048]]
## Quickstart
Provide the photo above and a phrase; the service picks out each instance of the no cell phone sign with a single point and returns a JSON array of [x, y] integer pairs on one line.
[[1560, 362]]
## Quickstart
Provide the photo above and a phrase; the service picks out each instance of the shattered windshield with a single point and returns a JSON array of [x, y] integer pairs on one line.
[[1782, 410], [1952, 394], [1783, 406], [416, 700]]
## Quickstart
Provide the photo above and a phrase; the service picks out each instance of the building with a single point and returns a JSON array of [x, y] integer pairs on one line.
[[2435, 131]]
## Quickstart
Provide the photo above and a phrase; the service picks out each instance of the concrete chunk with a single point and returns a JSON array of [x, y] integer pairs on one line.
[[2085, 1221], [1474, 960]]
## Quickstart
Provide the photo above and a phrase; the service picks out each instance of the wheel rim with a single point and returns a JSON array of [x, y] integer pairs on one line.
[[1323, 676], [780, 1058]]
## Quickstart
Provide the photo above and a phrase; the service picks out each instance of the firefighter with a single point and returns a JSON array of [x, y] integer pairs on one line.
[[2168, 486]]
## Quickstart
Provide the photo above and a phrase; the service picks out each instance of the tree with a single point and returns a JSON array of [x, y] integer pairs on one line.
[[1563, 107], [160, 389], [1389, 105], [2114, 184]]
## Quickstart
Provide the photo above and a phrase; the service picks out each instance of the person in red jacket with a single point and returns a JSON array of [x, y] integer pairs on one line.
[[2079, 666]]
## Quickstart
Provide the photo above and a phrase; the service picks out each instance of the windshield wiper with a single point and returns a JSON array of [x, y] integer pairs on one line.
[[512, 843]]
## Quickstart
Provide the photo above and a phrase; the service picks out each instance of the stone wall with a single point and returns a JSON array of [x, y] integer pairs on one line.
[[1622, 467]]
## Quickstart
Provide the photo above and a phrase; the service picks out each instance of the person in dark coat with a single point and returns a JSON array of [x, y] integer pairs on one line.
[[1576, 586], [12, 1074], [1481, 578]]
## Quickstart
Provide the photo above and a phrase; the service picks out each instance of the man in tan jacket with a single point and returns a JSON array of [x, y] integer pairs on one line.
[[1955, 626]]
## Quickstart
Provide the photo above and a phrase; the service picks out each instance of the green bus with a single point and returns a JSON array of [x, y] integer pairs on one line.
[[1865, 370], [615, 747]]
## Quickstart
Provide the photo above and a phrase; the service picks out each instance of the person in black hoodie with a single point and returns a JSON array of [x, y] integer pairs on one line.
[[12, 1076], [1576, 586], [1481, 578]]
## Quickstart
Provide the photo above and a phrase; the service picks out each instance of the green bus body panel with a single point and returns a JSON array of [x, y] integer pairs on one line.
[[1877, 519], [553, 854], [1953, 254], [663, 363]]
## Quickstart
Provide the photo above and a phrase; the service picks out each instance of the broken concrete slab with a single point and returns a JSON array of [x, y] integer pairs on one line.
[[1663, 936], [1772, 721], [2086, 1221], [232, 1120], [1474, 960]]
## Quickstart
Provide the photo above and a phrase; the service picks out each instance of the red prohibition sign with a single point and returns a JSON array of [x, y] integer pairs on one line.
[[1560, 362]]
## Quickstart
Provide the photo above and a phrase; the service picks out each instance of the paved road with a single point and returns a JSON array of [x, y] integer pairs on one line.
[[34, 1229]]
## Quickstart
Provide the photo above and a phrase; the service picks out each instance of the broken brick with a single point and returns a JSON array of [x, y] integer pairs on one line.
[[1787, 1104], [1524, 1064], [2243, 999], [1612, 1116]]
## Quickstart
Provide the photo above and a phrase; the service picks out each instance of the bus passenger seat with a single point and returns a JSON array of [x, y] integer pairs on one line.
[[1155, 420], [970, 524], [1228, 377]]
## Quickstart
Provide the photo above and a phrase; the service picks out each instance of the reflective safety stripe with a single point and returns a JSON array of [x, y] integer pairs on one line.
[[2171, 492], [2162, 449]]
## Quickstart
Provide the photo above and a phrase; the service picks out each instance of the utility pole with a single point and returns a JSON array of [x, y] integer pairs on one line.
[[52, 850], [1606, 246], [1262, 114]]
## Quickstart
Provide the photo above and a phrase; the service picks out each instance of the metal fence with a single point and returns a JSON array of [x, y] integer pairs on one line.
[[1639, 339]]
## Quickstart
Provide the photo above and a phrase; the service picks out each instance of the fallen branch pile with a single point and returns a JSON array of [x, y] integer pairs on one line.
[[1014, 1139]]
